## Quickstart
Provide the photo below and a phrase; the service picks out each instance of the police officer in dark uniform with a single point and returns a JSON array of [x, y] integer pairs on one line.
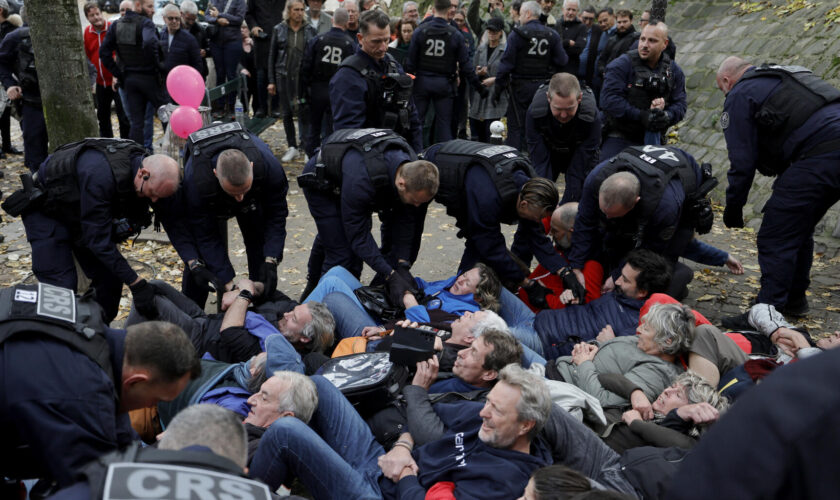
[[135, 40], [370, 89], [87, 197], [69, 380], [483, 186], [650, 197], [563, 131], [782, 121], [321, 60], [643, 94], [356, 173], [20, 78], [436, 54], [532, 55], [228, 173]]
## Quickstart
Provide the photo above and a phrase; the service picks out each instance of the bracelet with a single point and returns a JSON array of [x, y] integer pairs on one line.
[[405, 444]]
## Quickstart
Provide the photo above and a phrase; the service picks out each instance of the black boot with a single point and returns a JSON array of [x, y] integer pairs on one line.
[[737, 322]]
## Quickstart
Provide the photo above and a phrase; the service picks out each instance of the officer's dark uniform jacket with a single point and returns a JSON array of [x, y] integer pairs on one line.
[[652, 223], [438, 49], [479, 186], [278, 53], [616, 46], [629, 87], [356, 92], [183, 49], [555, 147], [358, 192], [323, 55], [533, 53], [135, 39], [66, 339], [17, 65], [756, 141], [191, 220]]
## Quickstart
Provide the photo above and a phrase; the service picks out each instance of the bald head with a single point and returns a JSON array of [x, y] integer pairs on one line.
[[618, 194], [730, 71], [157, 177], [562, 224]]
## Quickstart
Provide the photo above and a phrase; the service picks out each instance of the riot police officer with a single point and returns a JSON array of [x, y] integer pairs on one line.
[[782, 121], [228, 173], [321, 60], [86, 198], [69, 380], [135, 40], [483, 186], [370, 89], [643, 94], [532, 54], [563, 131], [437, 53], [19, 76], [356, 173]]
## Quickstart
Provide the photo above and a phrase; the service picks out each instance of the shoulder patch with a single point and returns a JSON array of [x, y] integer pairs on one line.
[[724, 120]]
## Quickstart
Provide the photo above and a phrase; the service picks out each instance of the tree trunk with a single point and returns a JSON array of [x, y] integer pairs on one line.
[[62, 70], [657, 10]]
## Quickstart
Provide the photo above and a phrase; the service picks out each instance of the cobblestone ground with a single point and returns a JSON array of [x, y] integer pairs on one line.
[[714, 292]]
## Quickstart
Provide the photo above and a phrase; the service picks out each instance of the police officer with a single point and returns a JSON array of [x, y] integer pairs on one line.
[[563, 130], [356, 173], [135, 39], [650, 197], [532, 53], [436, 54], [228, 173], [69, 380], [643, 94], [321, 59], [86, 198], [483, 186], [370, 89], [782, 121], [20, 78]]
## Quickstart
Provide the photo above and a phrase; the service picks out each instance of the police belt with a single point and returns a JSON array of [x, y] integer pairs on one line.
[[821, 148]]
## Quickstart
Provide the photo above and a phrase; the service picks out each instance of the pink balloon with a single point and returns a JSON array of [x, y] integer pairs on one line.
[[184, 121], [185, 85]]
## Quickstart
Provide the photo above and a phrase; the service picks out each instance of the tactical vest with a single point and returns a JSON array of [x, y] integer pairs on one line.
[[799, 95], [648, 84], [57, 313], [454, 158], [533, 59], [140, 473], [129, 35], [654, 166], [61, 182], [26, 72], [202, 146], [330, 50], [388, 96], [563, 144], [437, 54]]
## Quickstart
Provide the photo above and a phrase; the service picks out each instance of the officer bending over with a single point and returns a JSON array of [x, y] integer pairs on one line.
[[86, 198]]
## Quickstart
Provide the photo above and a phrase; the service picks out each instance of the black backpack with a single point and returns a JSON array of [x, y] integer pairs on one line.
[[369, 380]]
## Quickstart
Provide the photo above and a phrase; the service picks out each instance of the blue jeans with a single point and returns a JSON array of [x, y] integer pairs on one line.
[[334, 458], [148, 123], [520, 319], [226, 59], [335, 289]]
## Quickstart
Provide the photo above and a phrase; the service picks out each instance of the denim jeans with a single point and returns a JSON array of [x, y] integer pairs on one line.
[[226, 59], [335, 289], [335, 457], [520, 319]]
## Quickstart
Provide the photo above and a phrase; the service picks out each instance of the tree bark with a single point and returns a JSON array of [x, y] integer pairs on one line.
[[62, 70], [657, 10]]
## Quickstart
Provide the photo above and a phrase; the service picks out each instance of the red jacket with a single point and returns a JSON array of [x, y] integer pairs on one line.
[[93, 40]]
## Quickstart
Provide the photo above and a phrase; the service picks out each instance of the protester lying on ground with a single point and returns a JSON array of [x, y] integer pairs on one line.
[[793, 343]]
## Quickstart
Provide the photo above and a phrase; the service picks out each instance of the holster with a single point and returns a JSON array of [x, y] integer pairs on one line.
[[24, 200]]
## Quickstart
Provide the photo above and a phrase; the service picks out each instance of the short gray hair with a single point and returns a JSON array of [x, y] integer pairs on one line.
[[321, 330], [300, 396], [234, 167], [420, 176], [171, 7], [698, 390], [534, 400], [619, 190], [673, 326], [341, 17], [208, 425], [490, 321], [531, 7], [189, 7], [409, 4], [567, 213], [567, 2]]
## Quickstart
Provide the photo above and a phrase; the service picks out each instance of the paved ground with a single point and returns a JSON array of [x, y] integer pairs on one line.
[[714, 291]]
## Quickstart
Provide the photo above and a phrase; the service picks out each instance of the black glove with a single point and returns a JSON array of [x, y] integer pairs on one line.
[[482, 91], [537, 294], [497, 94], [570, 282], [397, 286], [268, 277], [659, 120], [205, 280], [644, 117], [144, 299], [733, 216]]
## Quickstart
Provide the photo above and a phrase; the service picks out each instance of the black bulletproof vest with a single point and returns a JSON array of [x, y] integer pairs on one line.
[[206, 143], [26, 72], [648, 84], [57, 313], [533, 60], [437, 54], [331, 49], [563, 144], [453, 159], [129, 34], [799, 95], [388, 96]]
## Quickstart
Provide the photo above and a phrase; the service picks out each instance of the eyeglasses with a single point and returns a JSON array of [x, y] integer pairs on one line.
[[168, 18]]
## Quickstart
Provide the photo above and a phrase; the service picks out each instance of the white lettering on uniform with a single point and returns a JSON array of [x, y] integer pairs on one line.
[[234, 490], [135, 484], [187, 485]]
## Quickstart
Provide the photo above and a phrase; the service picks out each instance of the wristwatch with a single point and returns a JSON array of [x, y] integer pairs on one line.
[[247, 295]]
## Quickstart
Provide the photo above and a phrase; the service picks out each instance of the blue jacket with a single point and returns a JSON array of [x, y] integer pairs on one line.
[[456, 43], [443, 300], [9, 58], [555, 326], [182, 50], [150, 49], [558, 56]]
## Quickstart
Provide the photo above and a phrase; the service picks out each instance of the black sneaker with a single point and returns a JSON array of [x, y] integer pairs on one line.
[[796, 307], [737, 322]]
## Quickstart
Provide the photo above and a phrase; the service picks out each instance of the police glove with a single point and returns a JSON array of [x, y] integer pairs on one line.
[[268, 277], [537, 294], [733, 216], [570, 282], [644, 117], [404, 270], [483, 92], [397, 286], [659, 120], [203, 278], [144, 299]]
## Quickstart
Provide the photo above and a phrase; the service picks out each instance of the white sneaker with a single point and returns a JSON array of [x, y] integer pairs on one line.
[[290, 155]]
